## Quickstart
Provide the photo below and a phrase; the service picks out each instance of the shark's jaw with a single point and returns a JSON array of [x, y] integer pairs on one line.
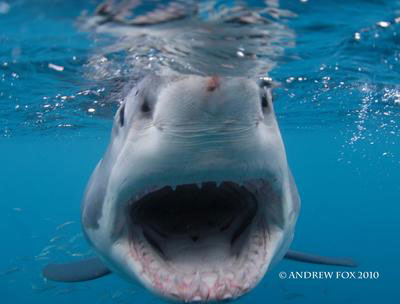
[[206, 241]]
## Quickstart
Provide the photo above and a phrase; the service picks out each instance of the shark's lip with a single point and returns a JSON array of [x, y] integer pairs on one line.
[[230, 261]]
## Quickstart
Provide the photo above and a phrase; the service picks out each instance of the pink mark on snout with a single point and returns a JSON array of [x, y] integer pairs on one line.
[[213, 83]]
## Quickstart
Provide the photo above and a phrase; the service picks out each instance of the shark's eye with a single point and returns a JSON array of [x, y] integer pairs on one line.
[[122, 115], [264, 100], [145, 107], [266, 86]]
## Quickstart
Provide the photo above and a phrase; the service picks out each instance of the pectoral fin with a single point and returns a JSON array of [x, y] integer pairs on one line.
[[316, 259], [85, 270]]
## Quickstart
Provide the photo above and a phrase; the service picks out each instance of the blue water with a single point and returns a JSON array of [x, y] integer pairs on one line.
[[338, 107]]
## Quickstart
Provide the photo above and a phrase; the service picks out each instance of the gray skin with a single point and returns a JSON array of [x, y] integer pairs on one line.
[[193, 198]]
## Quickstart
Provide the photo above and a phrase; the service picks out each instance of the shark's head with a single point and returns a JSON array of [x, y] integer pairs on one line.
[[194, 197]]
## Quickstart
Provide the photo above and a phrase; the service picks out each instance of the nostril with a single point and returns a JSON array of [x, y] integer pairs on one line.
[[213, 83]]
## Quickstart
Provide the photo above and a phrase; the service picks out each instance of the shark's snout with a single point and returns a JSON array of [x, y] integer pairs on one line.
[[209, 103]]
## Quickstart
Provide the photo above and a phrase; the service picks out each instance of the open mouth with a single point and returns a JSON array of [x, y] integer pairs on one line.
[[204, 242]]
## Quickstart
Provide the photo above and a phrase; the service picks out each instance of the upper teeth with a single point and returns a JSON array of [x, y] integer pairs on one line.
[[199, 185]]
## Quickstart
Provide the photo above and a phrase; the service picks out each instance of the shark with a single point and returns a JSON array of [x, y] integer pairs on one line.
[[193, 198]]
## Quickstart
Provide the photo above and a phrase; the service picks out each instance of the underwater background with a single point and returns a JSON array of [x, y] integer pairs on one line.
[[338, 106]]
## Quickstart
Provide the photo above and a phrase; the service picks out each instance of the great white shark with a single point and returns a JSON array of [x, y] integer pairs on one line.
[[194, 197]]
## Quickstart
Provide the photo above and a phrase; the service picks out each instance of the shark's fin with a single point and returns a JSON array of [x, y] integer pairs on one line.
[[85, 270], [316, 259]]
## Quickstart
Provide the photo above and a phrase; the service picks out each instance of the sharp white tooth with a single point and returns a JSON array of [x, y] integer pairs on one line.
[[219, 184], [196, 298], [137, 197], [198, 185], [210, 279], [227, 296], [173, 187]]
